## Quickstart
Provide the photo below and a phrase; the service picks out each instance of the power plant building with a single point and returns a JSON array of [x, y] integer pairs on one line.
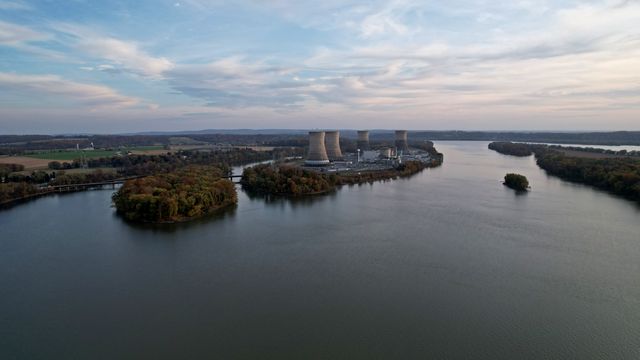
[[363, 140], [401, 141], [317, 151], [332, 143]]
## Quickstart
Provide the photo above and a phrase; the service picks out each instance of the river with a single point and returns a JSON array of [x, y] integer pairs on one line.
[[446, 264]]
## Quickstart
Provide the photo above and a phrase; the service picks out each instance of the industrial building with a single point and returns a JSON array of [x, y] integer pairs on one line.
[[317, 151], [332, 144], [363, 140], [402, 145]]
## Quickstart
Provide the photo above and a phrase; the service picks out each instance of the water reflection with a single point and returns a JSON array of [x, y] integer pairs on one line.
[[293, 201], [226, 213]]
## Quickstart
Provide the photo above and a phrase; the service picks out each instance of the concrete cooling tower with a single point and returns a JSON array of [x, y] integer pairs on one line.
[[317, 152], [401, 141], [363, 140], [332, 142]]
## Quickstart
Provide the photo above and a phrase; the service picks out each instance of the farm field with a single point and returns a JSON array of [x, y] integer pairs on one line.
[[70, 155], [29, 163]]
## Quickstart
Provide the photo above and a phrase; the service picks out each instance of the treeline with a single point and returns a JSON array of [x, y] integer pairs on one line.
[[12, 191], [20, 144], [597, 150], [151, 164], [287, 180], [36, 177], [620, 175], [188, 193], [130, 165], [6, 169], [509, 148], [597, 138], [62, 178]]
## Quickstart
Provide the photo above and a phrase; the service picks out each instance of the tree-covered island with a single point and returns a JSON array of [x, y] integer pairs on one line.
[[289, 180], [182, 195], [516, 182]]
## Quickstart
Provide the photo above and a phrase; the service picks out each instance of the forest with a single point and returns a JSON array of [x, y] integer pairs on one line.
[[287, 180], [185, 194], [620, 175], [617, 175]]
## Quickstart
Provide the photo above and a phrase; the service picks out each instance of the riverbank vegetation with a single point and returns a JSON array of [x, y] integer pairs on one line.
[[620, 175], [509, 148], [286, 180], [516, 182], [31, 183], [289, 180], [186, 194]]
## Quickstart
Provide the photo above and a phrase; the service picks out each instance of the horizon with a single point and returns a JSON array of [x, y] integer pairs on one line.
[[280, 131], [127, 67]]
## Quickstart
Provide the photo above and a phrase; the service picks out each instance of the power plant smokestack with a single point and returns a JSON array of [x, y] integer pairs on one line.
[[363, 140], [317, 152], [401, 141], [333, 145]]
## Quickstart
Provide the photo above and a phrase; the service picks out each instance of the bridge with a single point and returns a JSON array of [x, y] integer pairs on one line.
[[85, 186], [67, 188]]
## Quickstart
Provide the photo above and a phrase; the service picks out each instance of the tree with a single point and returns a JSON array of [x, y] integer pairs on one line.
[[55, 165]]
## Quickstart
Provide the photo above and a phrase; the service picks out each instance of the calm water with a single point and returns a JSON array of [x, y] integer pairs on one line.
[[447, 264]]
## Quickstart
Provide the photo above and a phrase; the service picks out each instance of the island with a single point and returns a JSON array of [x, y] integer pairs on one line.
[[291, 180], [516, 182], [185, 194], [617, 172], [509, 148]]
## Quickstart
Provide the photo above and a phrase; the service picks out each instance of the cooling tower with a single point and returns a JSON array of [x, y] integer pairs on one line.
[[363, 140], [317, 152], [401, 141], [332, 141]]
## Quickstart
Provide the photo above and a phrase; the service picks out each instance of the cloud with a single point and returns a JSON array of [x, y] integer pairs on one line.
[[95, 96], [14, 35], [14, 5], [123, 55], [233, 82]]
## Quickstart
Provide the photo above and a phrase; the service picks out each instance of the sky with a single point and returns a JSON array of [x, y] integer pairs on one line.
[[81, 66]]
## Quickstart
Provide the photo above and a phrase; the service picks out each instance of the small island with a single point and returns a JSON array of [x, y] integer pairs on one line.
[[516, 182], [178, 196]]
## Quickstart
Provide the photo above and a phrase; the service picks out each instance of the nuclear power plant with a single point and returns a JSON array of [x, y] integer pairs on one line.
[[317, 151], [332, 144], [325, 151], [363, 140], [401, 141]]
